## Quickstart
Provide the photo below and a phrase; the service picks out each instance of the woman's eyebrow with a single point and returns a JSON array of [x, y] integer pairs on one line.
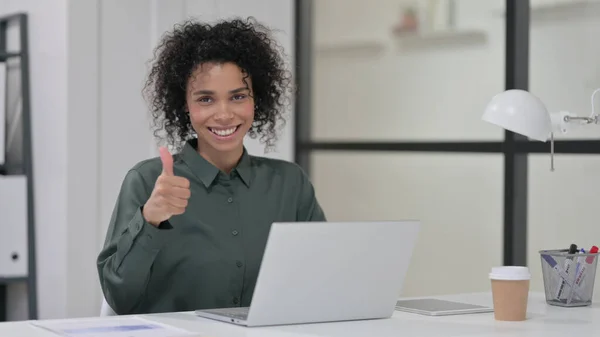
[[210, 92]]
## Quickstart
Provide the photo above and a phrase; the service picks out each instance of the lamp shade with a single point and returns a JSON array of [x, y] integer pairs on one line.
[[521, 112]]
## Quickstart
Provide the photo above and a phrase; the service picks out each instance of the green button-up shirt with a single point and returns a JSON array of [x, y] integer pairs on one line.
[[209, 256]]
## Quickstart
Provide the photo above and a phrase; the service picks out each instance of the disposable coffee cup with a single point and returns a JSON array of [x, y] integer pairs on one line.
[[510, 290]]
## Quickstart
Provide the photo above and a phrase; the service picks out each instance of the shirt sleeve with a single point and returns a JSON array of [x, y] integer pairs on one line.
[[309, 208], [130, 248]]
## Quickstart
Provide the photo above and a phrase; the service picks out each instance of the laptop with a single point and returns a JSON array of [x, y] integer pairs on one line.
[[315, 272], [439, 307]]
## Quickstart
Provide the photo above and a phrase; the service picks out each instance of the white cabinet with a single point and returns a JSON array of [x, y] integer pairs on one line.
[[13, 226]]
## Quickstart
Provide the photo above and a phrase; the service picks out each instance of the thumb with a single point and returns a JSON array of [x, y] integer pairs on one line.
[[167, 161]]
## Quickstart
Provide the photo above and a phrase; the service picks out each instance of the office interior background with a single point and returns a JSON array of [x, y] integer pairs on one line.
[[386, 122]]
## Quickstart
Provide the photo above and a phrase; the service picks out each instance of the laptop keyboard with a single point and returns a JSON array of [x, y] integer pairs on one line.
[[237, 313]]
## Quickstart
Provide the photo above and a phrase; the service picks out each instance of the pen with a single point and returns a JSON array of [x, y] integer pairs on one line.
[[560, 272], [560, 292], [579, 277], [568, 292]]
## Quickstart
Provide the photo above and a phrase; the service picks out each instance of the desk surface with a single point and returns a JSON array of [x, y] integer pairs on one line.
[[543, 320]]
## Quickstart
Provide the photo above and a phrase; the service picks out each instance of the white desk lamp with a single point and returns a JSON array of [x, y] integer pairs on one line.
[[521, 112]]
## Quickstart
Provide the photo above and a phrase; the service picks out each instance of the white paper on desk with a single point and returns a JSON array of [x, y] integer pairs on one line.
[[113, 327]]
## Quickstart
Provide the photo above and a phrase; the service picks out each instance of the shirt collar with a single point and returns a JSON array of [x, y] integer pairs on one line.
[[207, 172], [244, 168]]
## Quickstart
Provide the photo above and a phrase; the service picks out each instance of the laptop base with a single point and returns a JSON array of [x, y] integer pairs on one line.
[[236, 315]]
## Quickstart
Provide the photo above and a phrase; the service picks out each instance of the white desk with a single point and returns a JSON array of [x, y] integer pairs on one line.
[[543, 320]]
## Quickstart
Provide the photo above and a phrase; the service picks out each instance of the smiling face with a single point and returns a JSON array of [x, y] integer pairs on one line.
[[221, 107]]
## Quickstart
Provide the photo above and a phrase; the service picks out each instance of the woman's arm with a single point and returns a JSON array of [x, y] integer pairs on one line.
[[308, 208], [130, 248]]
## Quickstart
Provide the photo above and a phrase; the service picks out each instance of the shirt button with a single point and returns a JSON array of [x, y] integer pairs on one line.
[[236, 300], [230, 200], [239, 264], [234, 232]]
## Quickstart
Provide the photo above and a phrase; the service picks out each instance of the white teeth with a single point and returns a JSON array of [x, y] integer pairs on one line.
[[223, 133]]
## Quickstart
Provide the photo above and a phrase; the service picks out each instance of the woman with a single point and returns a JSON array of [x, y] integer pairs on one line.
[[188, 230]]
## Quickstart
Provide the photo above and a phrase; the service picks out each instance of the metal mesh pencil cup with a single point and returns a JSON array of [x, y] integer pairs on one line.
[[568, 278]]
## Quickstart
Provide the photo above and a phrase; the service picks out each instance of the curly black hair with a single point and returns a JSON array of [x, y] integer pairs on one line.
[[246, 43]]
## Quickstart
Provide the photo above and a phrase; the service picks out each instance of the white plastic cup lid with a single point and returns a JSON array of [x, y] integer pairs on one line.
[[510, 273]]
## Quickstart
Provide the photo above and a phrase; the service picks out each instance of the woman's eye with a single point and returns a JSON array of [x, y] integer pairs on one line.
[[204, 99], [238, 97]]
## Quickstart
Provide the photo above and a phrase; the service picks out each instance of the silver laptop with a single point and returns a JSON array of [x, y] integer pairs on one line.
[[438, 307], [326, 272]]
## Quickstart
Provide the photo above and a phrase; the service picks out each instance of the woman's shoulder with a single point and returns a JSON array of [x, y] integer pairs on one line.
[[148, 167], [142, 174], [274, 163], [273, 166], [152, 167]]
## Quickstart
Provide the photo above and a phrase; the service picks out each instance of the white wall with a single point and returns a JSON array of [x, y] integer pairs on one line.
[[377, 88], [90, 125], [85, 137]]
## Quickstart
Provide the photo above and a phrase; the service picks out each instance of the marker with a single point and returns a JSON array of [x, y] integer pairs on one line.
[[579, 261], [581, 273], [560, 272], [560, 292]]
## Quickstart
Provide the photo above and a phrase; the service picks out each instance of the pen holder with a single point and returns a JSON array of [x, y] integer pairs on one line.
[[568, 278]]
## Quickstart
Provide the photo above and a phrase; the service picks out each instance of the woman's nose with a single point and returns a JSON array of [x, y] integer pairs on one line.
[[224, 112]]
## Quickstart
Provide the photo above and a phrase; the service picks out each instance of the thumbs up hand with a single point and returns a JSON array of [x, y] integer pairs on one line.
[[167, 161], [170, 194]]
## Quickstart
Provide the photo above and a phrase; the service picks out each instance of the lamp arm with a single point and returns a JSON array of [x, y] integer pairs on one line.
[[593, 114], [568, 117], [560, 124], [584, 120]]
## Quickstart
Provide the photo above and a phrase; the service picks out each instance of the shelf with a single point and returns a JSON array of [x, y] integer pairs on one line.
[[566, 10], [6, 56], [434, 39], [563, 10], [350, 46], [19, 268], [10, 280], [10, 170], [408, 40]]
